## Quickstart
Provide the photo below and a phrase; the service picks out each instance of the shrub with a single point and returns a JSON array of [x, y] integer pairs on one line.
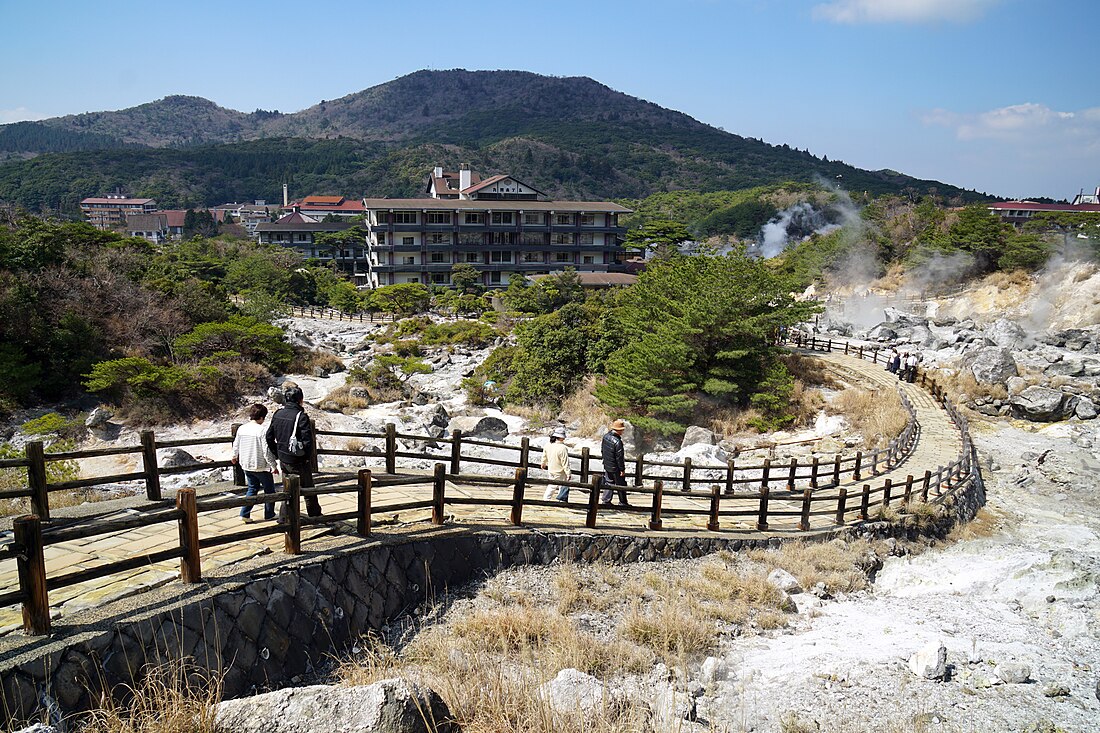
[[253, 340]]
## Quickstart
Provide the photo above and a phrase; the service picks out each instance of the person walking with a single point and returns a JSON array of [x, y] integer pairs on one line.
[[911, 362], [614, 464], [901, 365], [292, 422], [252, 453], [894, 361], [555, 459]]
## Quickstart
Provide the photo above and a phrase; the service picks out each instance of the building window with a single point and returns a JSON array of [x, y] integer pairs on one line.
[[534, 219], [502, 217], [440, 278], [473, 257], [502, 238], [532, 238], [469, 238], [439, 217], [494, 278], [439, 256], [439, 239], [404, 217], [382, 217], [585, 238], [532, 256], [563, 257], [474, 218], [408, 241], [302, 237], [381, 237], [561, 238], [412, 279], [588, 220], [563, 219], [589, 260], [500, 256], [408, 260]]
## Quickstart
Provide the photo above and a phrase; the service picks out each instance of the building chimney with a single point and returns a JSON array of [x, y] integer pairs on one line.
[[286, 199], [464, 177]]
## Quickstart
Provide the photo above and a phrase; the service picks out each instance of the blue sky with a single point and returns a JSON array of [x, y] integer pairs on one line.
[[997, 95]]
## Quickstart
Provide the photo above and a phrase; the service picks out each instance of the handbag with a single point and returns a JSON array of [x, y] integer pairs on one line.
[[294, 446]]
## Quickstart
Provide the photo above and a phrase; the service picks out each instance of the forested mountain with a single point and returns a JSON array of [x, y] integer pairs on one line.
[[570, 137]]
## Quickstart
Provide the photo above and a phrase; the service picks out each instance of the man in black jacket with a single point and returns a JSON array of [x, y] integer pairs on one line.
[[278, 437], [614, 463]]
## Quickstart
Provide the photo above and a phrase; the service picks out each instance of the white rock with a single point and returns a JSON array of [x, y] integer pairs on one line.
[[784, 581], [573, 692], [930, 662], [713, 669], [1012, 673], [805, 602], [696, 434]]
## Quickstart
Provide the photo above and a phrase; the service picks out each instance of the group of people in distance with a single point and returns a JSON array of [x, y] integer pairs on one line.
[[904, 364], [264, 450]]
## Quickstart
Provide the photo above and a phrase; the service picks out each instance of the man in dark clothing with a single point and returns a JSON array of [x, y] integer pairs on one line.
[[614, 463], [278, 436]]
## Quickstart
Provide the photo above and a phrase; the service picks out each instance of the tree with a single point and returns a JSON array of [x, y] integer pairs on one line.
[[660, 236], [403, 298], [552, 356], [465, 278], [697, 329]]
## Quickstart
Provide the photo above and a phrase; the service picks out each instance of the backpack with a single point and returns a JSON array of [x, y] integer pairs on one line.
[[294, 446]]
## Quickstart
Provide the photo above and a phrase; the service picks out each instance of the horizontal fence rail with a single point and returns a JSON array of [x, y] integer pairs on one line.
[[819, 493]]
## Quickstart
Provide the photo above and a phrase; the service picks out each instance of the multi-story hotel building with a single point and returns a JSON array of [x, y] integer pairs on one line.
[[301, 233], [500, 225], [110, 212]]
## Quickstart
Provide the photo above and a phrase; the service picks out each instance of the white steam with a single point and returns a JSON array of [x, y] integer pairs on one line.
[[796, 223]]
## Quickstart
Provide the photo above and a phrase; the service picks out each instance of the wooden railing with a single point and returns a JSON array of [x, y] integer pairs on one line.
[[331, 314], [755, 496]]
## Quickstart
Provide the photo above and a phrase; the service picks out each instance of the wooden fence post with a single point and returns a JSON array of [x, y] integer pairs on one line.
[[32, 575], [791, 475], [190, 563], [586, 461], [36, 480], [593, 502], [456, 451], [149, 464], [292, 543], [939, 481], [813, 473], [804, 521], [729, 476], [655, 512], [762, 515], [874, 462], [687, 474], [764, 474], [313, 450], [924, 486], [238, 472], [524, 452], [639, 469], [362, 520], [836, 470], [715, 494], [841, 501], [890, 453], [391, 448], [861, 351], [886, 492], [439, 486], [516, 517], [908, 495], [865, 502], [855, 470], [846, 348]]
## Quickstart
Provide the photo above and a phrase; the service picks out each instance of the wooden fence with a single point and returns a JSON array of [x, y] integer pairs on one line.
[[815, 494], [331, 314]]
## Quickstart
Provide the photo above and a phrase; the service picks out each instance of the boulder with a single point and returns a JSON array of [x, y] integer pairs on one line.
[[275, 394], [1005, 334], [784, 581], [573, 692], [713, 669], [98, 418], [696, 435], [1016, 385], [172, 457], [1086, 409], [359, 393], [1012, 673], [437, 415], [901, 318], [882, 332], [1042, 404], [389, 706], [930, 662], [489, 428], [1067, 367], [993, 366]]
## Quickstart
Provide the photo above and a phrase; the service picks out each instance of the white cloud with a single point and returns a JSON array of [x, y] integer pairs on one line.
[[900, 11], [19, 114], [1031, 124]]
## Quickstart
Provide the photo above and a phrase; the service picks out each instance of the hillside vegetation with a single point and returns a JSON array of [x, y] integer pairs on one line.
[[568, 137]]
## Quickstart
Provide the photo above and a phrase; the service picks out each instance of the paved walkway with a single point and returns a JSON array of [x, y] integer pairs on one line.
[[938, 444]]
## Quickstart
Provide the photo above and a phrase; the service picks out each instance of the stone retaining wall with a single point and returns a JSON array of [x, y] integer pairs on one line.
[[270, 631]]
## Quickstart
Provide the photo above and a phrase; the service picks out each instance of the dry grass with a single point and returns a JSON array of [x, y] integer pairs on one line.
[[961, 386], [883, 513], [810, 371], [1005, 280], [806, 403], [921, 515], [537, 416], [355, 444], [731, 422], [171, 699], [306, 360], [984, 524], [342, 400], [832, 563], [878, 415], [674, 631], [582, 408]]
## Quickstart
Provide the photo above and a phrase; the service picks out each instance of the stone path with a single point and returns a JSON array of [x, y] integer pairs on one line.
[[938, 444]]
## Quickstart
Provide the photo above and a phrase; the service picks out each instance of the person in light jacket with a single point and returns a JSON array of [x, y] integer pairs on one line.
[[555, 459], [252, 453], [278, 438], [614, 464]]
